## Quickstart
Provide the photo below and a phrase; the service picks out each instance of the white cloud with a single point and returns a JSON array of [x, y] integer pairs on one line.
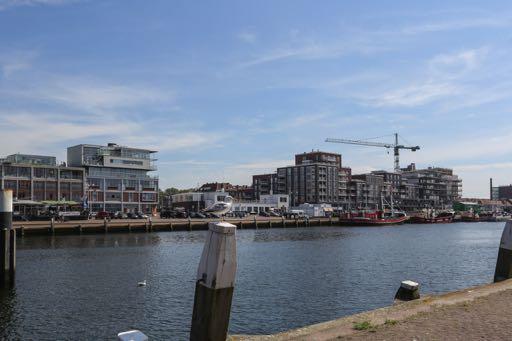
[[267, 165], [14, 61], [89, 94], [5, 4], [459, 24], [247, 37], [412, 95]]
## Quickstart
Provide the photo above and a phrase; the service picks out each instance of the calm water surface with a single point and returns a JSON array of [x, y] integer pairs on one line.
[[85, 287]]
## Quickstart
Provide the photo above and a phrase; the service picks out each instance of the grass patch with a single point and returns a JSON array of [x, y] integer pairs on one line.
[[364, 325], [390, 322]]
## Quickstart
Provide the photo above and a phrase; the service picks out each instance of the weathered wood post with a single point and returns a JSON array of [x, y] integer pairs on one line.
[[283, 221], [408, 291], [189, 224], [52, 225], [7, 239], [504, 263], [215, 284], [105, 225]]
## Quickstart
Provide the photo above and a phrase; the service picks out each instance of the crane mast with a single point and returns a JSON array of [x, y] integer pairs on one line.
[[395, 146]]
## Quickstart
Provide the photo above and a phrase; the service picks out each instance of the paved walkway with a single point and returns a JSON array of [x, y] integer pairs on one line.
[[485, 318], [480, 313]]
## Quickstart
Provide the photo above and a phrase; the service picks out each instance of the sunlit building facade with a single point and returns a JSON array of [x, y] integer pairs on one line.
[[118, 177]]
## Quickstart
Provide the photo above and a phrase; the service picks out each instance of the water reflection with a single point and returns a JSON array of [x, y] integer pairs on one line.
[[8, 316]]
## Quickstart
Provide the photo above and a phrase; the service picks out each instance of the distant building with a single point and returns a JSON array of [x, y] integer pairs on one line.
[[238, 192], [437, 187], [501, 192], [38, 178], [197, 201], [317, 177], [369, 191], [118, 177], [264, 184], [279, 201]]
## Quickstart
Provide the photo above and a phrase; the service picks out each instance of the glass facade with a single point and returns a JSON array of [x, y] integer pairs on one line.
[[41, 183]]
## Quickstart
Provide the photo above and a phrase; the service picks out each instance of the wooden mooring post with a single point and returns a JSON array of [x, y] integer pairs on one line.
[[407, 291], [504, 262], [215, 284], [7, 240]]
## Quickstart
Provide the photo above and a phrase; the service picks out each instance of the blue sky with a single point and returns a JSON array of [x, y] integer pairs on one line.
[[226, 89]]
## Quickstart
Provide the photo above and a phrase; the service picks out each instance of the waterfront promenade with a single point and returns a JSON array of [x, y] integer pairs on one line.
[[478, 313]]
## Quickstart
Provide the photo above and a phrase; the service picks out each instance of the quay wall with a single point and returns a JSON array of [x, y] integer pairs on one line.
[[137, 225], [470, 298]]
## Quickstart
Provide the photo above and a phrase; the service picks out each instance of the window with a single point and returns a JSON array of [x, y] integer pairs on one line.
[[113, 196], [148, 197]]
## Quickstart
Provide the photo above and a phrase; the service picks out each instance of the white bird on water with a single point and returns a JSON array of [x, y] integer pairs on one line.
[[142, 284]]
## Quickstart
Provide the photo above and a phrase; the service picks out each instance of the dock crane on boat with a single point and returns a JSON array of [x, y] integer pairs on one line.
[[396, 146]]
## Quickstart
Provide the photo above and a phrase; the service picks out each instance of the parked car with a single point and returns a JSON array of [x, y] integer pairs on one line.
[[141, 216], [264, 214], [167, 214], [239, 214], [131, 215], [102, 215], [120, 215], [274, 214], [19, 217], [200, 215]]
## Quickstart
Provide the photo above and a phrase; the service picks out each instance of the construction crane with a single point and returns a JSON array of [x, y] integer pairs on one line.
[[396, 147]]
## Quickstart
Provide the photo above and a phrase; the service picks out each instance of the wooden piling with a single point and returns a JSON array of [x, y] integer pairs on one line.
[[52, 225], [7, 244], [12, 255], [105, 225], [504, 262], [215, 284]]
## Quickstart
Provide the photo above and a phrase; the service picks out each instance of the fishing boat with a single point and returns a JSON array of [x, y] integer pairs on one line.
[[432, 217], [372, 218]]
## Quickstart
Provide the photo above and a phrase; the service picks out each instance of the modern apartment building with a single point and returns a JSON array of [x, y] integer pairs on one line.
[[437, 187], [317, 177], [264, 184], [117, 176], [38, 178]]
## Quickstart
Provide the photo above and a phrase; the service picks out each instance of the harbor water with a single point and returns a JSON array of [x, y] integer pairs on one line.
[[85, 287]]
